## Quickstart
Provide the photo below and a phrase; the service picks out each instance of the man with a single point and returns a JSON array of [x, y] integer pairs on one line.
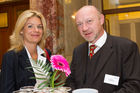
[[115, 65]]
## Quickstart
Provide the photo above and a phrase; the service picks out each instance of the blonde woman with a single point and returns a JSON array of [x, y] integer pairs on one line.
[[27, 45]]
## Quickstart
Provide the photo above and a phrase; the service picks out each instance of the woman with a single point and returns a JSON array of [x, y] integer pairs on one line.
[[27, 46]]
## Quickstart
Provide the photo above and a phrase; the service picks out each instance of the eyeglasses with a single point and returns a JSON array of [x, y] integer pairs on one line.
[[87, 22]]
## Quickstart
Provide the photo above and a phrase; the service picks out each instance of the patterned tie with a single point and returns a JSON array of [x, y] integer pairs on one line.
[[92, 48]]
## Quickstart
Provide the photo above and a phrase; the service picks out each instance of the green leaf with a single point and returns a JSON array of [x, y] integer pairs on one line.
[[37, 78], [59, 83], [45, 83], [53, 78], [57, 77], [48, 77], [59, 86], [47, 69]]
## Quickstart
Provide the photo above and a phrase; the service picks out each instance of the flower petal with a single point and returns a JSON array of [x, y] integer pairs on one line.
[[60, 63]]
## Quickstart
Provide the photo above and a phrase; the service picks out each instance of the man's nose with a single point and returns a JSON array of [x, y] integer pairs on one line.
[[84, 27]]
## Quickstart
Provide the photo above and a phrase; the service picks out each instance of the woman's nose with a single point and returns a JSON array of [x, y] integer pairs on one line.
[[36, 28]]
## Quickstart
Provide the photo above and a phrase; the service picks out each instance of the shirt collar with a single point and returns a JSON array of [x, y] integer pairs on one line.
[[39, 52], [100, 42]]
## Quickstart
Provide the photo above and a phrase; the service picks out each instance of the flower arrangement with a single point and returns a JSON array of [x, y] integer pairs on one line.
[[59, 63], [48, 73]]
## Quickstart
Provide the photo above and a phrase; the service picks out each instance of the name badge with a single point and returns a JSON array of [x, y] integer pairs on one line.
[[110, 79]]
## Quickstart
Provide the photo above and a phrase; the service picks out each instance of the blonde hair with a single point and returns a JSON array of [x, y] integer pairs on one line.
[[16, 39]]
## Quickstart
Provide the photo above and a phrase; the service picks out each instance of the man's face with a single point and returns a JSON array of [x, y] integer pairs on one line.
[[89, 23]]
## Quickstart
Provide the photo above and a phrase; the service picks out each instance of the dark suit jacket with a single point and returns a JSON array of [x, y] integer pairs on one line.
[[118, 57], [14, 74]]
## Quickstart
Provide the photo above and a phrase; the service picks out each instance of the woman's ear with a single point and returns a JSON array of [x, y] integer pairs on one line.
[[21, 32]]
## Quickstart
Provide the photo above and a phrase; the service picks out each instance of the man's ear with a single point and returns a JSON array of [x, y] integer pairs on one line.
[[102, 19]]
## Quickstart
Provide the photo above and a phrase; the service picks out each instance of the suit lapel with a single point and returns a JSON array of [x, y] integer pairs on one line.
[[24, 61], [84, 61], [106, 52]]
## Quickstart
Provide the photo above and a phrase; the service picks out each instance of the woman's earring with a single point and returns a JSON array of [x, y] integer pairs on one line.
[[21, 32]]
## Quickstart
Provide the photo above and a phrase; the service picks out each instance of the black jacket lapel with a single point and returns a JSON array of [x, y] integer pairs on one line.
[[24, 63], [84, 61], [105, 55]]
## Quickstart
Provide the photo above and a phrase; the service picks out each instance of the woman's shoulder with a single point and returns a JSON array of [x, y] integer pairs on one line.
[[10, 53], [14, 53], [9, 56]]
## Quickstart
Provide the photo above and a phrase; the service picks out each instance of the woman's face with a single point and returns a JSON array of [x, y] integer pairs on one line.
[[32, 31]]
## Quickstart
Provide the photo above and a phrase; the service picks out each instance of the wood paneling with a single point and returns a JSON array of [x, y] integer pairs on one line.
[[12, 8], [121, 10]]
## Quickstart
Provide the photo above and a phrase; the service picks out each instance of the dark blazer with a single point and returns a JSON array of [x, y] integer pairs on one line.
[[14, 74], [118, 57]]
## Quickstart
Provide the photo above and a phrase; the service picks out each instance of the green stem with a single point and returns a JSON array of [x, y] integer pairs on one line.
[[53, 78]]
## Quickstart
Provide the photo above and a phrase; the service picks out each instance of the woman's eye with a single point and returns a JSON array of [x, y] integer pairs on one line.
[[30, 26], [40, 27]]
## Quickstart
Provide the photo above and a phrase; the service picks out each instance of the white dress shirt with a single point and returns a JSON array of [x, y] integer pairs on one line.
[[99, 43], [34, 64]]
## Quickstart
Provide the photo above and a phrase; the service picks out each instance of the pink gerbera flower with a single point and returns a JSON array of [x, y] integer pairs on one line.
[[60, 63]]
